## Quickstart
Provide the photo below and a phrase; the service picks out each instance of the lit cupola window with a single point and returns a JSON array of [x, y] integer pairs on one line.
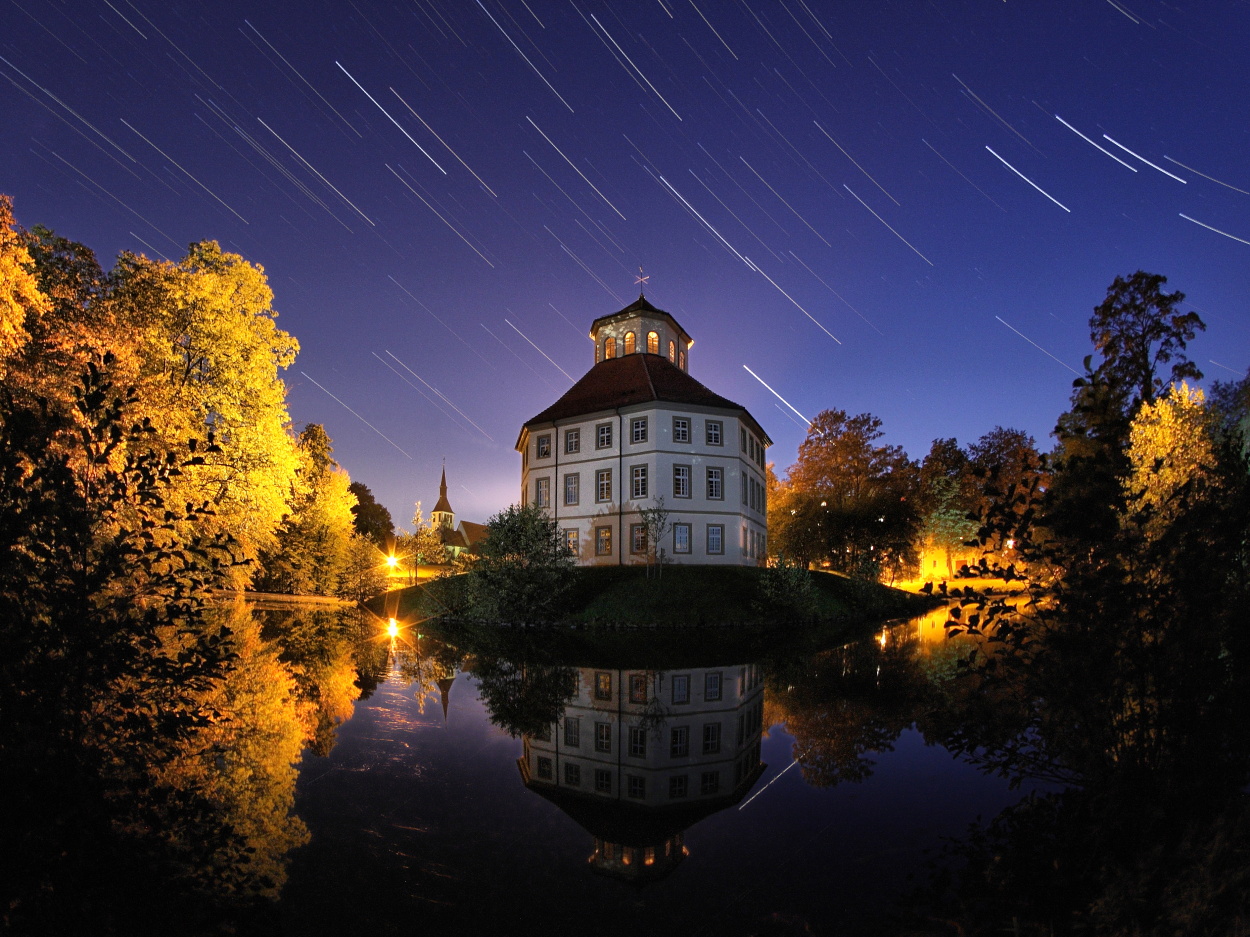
[[653, 343], [631, 343], [681, 360], [609, 348], [672, 353]]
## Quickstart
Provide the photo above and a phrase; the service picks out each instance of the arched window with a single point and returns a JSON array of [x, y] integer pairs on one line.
[[681, 360], [609, 348], [672, 353], [653, 343], [630, 343]]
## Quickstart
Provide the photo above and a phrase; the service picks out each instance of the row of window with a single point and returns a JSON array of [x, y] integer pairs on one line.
[[635, 785], [640, 485], [639, 432], [636, 747], [639, 685], [753, 448], [714, 539], [629, 346]]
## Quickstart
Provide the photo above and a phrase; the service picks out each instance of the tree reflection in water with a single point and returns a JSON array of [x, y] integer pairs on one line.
[[191, 832]]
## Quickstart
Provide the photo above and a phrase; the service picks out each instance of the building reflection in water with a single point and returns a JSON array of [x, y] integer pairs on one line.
[[640, 756]]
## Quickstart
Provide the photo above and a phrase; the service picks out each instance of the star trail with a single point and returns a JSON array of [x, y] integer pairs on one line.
[[509, 165]]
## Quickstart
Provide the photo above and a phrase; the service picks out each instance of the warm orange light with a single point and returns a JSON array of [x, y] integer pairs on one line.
[[392, 561], [392, 627]]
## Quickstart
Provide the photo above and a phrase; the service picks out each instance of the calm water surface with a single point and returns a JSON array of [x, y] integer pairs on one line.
[[807, 809]]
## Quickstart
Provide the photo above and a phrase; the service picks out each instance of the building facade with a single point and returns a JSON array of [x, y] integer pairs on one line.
[[636, 428]]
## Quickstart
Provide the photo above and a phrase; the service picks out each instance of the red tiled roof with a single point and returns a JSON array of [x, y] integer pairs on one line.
[[634, 379]]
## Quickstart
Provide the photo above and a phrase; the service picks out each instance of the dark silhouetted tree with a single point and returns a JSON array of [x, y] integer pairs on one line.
[[371, 519]]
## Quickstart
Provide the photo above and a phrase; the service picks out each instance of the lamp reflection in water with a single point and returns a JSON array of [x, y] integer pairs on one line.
[[640, 756]]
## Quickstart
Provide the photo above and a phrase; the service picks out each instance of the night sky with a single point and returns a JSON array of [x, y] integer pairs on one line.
[[884, 207]]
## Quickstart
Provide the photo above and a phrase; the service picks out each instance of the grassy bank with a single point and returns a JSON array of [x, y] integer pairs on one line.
[[615, 597]]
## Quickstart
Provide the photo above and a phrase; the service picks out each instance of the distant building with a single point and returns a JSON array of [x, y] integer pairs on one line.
[[456, 538], [637, 427]]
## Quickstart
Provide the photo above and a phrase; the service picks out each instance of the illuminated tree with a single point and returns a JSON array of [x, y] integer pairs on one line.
[[849, 501], [1171, 444], [21, 302], [1137, 333], [946, 499], [312, 543], [208, 357]]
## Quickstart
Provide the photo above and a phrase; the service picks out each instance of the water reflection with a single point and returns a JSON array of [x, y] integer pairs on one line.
[[639, 756]]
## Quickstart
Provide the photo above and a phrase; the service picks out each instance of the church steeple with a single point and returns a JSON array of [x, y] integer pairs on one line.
[[443, 515]]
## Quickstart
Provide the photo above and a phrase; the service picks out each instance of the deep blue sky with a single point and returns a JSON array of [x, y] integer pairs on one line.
[[772, 121]]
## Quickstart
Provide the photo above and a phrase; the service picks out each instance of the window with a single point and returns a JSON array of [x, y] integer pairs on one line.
[[681, 538], [681, 429], [715, 430], [744, 439], [603, 541], [672, 353], [638, 688], [637, 538], [573, 775], [679, 742], [544, 768], [542, 492], [681, 360], [571, 485], [677, 786], [681, 481], [631, 343], [744, 539], [715, 538], [636, 786], [603, 737], [681, 688], [603, 485], [711, 686], [716, 484], [571, 543], [638, 482], [711, 738], [544, 446], [543, 734], [638, 741], [603, 685], [603, 436], [609, 348], [573, 732], [572, 440], [709, 782], [603, 781], [653, 343], [638, 430]]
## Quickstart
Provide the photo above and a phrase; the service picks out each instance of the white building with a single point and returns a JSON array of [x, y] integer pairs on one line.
[[637, 427]]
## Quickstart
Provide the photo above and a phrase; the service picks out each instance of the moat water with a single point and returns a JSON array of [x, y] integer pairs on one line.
[[697, 794]]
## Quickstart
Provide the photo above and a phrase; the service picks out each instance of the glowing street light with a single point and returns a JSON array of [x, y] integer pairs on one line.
[[392, 627], [392, 561]]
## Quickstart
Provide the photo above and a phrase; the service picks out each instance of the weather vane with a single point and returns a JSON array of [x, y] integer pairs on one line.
[[641, 282]]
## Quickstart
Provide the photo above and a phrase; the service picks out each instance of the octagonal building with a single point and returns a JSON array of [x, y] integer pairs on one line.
[[636, 428]]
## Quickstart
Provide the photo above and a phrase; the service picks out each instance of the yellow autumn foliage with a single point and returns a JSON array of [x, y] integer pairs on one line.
[[20, 297], [1170, 443]]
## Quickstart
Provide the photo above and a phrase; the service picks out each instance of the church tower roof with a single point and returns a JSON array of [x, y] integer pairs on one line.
[[639, 307], [443, 506]]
